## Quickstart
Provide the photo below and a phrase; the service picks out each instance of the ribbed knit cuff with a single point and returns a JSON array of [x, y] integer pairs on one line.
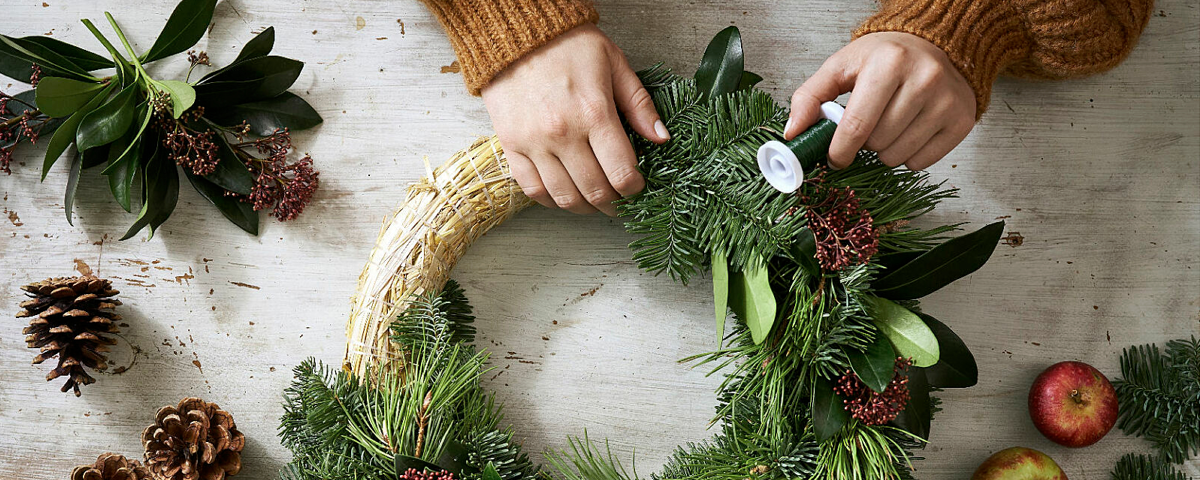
[[981, 38], [488, 35]]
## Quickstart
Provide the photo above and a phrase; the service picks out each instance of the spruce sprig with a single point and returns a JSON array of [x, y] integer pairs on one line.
[[1144, 467], [1159, 397]]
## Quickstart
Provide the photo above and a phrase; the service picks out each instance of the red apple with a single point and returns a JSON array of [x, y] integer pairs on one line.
[[1073, 404], [1019, 463]]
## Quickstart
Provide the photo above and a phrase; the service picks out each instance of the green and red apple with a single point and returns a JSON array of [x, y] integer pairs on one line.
[[1073, 404], [1019, 463]]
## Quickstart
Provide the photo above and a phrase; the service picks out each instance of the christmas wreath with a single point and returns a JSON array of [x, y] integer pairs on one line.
[[829, 367]]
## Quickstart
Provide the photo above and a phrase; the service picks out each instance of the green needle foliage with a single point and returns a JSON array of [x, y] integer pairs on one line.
[[341, 427], [1159, 397], [1144, 467]]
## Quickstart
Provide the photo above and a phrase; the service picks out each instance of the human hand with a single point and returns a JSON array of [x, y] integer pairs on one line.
[[555, 111], [910, 104]]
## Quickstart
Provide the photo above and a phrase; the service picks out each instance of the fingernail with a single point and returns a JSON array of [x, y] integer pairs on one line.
[[788, 127], [661, 130]]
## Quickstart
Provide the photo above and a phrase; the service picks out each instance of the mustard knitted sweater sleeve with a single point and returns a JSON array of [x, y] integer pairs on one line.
[[488, 35], [1051, 39]]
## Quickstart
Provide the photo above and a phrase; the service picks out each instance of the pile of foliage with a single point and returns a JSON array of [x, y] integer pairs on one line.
[[227, 132]]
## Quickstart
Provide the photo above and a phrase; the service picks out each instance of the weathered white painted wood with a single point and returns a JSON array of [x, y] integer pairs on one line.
[[1099, 175]]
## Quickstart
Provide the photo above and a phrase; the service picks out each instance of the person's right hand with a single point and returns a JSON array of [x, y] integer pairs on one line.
[[555, 111]]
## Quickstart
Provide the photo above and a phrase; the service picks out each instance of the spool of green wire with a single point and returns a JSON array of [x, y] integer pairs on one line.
[[812, 145]]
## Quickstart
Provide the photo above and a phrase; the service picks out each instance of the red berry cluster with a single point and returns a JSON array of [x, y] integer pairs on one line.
[[844, 231], [189, 148], [283, 187], [869, 406], [414, 474], [15, 127]]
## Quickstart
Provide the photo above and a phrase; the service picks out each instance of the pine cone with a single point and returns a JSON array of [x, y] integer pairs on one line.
[[110, 466], [194, 441], [70, 320]]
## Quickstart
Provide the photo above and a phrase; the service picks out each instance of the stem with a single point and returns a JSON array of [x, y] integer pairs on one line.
[[120, 61], [17, 119], [124, 41]]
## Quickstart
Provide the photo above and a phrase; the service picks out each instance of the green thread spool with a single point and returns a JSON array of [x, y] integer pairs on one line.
[[812, 146], [784, 164]]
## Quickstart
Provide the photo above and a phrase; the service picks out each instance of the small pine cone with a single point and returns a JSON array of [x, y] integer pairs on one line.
[[110, 466], [193, 441], [70, 318]]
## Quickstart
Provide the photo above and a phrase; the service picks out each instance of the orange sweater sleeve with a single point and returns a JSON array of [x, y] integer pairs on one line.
[[1051, 39], [488, 35]]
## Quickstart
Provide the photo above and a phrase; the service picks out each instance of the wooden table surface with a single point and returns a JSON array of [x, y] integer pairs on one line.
[[1099, 176]]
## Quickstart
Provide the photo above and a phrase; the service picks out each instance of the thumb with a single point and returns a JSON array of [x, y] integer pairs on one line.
[[635, 103], [826, 85]]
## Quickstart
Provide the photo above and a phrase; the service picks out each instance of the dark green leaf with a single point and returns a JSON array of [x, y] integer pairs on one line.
[[908, 333], [804, 252], [251, 80], [161, 187], [828, 411], [184, 28], [59, 97], [284, 111], [875, 365], [72, 185], [720, 276], [85, 60], [956, 366], [17, 58], [895, 260], [721, 68], [405, 462], [123, 164], [917, 414], [259, 46], [108, 122], [240, 213], [454, 457], [945, 263], [94, 157], [748, 81], [64, 136], [231, 174]]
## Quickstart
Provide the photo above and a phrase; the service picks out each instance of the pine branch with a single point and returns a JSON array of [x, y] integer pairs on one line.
[[585, 461], [1159, 397], [1144, 467]]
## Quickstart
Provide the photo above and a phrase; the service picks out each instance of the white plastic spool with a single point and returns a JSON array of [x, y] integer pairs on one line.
[[779, 164]]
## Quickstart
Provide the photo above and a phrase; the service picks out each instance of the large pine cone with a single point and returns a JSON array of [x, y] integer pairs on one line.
[[111, 466], [193, 441], [70, 317]]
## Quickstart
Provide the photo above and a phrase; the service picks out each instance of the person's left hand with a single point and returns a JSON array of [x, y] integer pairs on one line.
[[909, 102]]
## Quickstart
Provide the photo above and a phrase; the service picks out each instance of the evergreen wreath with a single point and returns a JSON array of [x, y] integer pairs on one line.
[[829, 368]]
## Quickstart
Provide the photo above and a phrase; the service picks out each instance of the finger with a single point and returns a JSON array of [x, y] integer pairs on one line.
[[872, 92], [634, 101], [901, 111], [589, 178], [824, 86], [558, 182], [616, 157], [938, 146], [923, 128], [527, 177]]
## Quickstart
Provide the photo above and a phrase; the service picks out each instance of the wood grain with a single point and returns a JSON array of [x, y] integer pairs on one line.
[[1100, 176]]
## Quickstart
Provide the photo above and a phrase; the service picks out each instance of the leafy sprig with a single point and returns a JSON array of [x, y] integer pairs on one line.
[[229, 130], [1159, 397]]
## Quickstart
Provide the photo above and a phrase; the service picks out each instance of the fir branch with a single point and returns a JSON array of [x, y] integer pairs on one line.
[[1159, 397], [1144, 467], [585, 461]]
